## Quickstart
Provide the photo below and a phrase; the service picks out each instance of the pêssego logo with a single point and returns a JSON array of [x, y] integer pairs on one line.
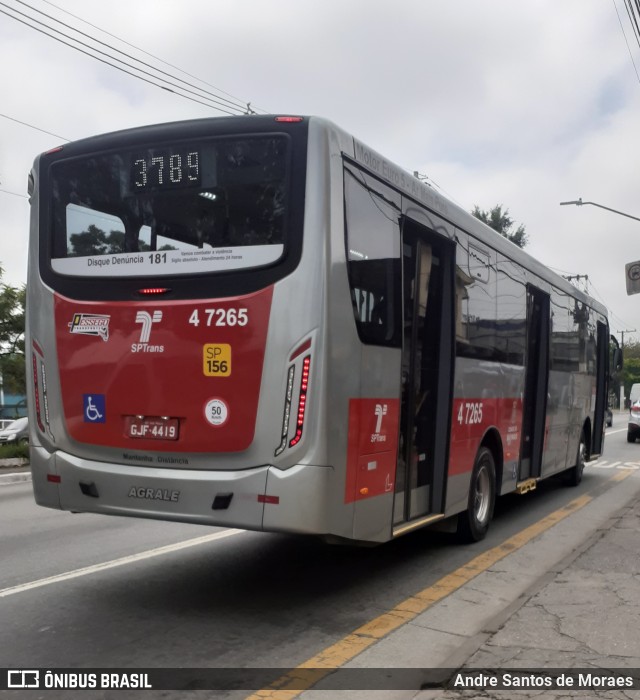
[[90, 324]]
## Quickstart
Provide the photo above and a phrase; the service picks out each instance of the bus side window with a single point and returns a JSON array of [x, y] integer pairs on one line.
[[373, 259]]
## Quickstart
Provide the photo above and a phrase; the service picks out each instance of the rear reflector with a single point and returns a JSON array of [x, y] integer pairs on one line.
[[263, 498], [54, 478]]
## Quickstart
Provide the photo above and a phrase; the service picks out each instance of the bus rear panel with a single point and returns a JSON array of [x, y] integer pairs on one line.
[[168, 325]]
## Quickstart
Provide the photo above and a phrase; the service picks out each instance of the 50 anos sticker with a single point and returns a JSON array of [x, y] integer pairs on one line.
[[219, 317]]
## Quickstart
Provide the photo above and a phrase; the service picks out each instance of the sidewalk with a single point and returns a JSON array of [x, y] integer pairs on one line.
[[586, 617], [567, 601]]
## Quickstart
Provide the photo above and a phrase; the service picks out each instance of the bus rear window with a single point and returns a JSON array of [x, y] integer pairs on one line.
[[196, 207]]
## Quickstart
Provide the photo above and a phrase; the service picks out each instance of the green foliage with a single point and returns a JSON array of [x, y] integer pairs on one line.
[[631, 366], [14, 450], [12, 362], [94, 241], [500, 221]]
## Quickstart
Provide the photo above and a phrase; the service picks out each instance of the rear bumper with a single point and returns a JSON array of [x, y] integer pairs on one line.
[[260, 498]]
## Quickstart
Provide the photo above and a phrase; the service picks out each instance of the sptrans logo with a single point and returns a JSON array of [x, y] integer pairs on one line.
[[380, 411], [147, 320]]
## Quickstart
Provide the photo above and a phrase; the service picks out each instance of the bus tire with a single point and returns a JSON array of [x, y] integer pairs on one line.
[[631, 437], [574, 475], [473, 523]]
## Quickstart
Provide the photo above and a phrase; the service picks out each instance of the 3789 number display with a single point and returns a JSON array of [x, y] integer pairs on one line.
[[167, 169]]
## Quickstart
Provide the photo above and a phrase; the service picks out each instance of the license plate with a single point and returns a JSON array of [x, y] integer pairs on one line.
[[151, 428]]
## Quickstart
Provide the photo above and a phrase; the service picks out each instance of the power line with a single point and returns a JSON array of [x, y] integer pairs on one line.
[[31, 126], [147, 53], [103, 53], [633, 20], [15, 194], [97, 58], [163, 83], [613, 315], [626, 41], [220, 100]]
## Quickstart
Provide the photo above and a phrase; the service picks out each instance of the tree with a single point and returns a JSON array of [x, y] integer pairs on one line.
[[500, 221], [12, 360], [631, 366], [93, 241]]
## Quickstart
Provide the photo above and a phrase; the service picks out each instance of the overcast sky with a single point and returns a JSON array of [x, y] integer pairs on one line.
[[524, 104]]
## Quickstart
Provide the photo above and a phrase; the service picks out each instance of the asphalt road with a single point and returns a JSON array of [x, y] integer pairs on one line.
[[93, 591]]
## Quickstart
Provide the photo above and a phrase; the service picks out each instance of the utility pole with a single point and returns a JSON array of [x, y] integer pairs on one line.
[[622, 335]]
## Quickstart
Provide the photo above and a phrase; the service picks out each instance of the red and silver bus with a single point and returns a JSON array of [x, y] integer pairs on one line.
[[260, 322]]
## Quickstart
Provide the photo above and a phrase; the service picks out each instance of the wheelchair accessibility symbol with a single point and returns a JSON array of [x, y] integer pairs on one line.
[[94, 408]]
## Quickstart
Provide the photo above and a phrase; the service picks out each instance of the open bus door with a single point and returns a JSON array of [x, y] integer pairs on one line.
[[534, 408], [602, 374], [428, 356]]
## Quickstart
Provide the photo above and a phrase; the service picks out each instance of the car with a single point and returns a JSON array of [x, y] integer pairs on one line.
[[17, 431], [633, 429], [608, 417]]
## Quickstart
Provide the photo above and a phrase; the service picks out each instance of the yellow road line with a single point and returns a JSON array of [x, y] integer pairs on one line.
[[621, 476], [307, 674]]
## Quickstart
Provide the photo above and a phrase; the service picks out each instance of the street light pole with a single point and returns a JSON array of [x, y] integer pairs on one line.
[[579, 203]]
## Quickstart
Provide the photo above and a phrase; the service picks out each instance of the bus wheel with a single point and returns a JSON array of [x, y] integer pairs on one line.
[[474, 522], [574, 475]]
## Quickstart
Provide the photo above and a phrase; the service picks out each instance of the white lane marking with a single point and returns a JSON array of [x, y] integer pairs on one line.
[[604, 464], [87, 570]]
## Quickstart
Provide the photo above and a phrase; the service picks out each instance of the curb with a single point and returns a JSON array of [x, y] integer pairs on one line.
[[22, 473], [15, 478]]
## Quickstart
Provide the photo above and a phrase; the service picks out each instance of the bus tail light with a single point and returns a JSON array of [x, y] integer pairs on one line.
[[289, 416], [302, 401], [151, 291]]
